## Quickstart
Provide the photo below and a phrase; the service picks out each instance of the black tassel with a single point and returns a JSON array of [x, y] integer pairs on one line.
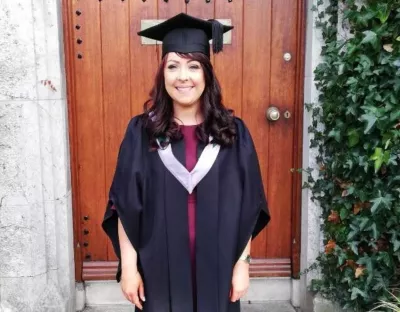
[[217, 36]]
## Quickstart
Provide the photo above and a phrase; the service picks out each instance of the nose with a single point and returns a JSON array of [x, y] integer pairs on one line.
[[183, 74]]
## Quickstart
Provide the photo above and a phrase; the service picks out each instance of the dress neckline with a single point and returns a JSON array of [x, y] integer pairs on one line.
[[189, 126]]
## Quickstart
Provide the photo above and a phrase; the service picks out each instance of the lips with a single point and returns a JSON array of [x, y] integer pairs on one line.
[[183, 89]]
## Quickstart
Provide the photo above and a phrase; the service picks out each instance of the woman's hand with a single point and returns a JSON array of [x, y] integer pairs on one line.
[[132, 287], [240, 280]]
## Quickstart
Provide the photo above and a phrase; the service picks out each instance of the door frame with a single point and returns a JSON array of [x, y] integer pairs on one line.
[[67, 18], [69, 52], [298, 138]]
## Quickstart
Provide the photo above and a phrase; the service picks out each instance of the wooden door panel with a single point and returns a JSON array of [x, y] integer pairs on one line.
[[200, 9], [256, 91], [116, 87], [112, 81], [144, 59], [282, 89], [89, 128], [228, 64]]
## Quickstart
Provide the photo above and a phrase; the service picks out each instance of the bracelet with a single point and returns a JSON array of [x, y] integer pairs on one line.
[[246, 258]]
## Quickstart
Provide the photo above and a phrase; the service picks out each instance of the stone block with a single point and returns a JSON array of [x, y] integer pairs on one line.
[[17, 57], [79, 297], [21, 293], [19, 243], [263, 289], [48, 53], [324, 305]]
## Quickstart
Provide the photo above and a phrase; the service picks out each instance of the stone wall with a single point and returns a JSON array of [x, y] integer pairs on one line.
[[36, 247]]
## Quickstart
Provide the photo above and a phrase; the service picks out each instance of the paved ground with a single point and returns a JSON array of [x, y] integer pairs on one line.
[[255, 307]]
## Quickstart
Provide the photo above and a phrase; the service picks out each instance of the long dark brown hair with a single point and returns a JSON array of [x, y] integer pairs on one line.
[[159, 115]]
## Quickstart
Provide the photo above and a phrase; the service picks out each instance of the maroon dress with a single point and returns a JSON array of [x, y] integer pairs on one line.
[[189, 134]]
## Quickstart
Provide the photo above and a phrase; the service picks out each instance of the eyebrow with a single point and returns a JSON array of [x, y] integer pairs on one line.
[[175, 61]]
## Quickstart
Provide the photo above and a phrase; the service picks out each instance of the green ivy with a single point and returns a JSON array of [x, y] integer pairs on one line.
[[356, 130]]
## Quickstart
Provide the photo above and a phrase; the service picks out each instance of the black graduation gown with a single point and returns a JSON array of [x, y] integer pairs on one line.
[[152, 205]]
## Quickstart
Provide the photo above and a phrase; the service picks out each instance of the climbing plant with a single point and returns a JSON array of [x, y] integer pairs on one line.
[[356, 130]]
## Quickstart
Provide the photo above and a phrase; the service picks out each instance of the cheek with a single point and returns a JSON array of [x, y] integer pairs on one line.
[[199, 81], [169, 79], [201, 84], [168, 82]]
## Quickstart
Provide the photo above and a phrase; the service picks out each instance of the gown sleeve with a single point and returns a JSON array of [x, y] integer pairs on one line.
[[125, 196], [254, 208]]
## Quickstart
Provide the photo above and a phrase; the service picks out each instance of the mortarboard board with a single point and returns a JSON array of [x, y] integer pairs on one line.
[[186, 34]]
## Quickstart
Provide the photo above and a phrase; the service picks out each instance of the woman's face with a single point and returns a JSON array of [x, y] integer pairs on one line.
[[184, 80]]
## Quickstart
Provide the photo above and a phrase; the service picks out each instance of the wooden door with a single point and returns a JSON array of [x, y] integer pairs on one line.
[[110, 74]]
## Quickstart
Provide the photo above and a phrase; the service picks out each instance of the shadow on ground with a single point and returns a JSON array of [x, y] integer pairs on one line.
[[246, 307]]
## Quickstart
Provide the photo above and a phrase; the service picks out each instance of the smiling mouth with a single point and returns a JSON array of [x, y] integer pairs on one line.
[[183, 89]]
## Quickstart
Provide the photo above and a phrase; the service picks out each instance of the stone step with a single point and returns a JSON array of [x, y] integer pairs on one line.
[[108, 293], [270, 306]]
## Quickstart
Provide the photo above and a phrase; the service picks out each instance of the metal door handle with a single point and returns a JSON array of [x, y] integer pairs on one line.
[[273, 113]]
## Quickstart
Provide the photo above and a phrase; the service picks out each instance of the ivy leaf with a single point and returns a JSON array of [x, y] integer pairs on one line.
[[378, 158], [370, 119], [334, 134], [370, 37], [353, 233], [355, 292], [363, 223], [396, 245], [352, 80], [365, 16], [374, 231], [365, 61], [383, 12], [386, 258], [354, 137], [395, 115], [381, 201], [344, 213], [354, 246]]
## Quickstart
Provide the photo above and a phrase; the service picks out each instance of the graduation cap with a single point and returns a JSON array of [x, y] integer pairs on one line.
[[186, 34]]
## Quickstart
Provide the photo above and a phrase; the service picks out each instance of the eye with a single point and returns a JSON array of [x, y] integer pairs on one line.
[[194, 67], [171, 67]]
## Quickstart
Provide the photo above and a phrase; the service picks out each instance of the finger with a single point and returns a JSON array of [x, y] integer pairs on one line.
[[127, 296], [234, 296], [239, 295], [137, 303], [131, 298], [141, 292]]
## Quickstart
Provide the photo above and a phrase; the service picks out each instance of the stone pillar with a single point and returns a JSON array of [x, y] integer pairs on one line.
[[311, 237], [36, 245]]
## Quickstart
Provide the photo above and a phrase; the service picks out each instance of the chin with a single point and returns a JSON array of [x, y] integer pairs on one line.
[[182, 102]]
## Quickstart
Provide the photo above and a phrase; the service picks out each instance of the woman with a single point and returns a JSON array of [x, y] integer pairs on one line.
[[187, 195]]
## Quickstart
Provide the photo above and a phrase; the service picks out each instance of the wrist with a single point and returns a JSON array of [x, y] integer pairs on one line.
[[129, 266]]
